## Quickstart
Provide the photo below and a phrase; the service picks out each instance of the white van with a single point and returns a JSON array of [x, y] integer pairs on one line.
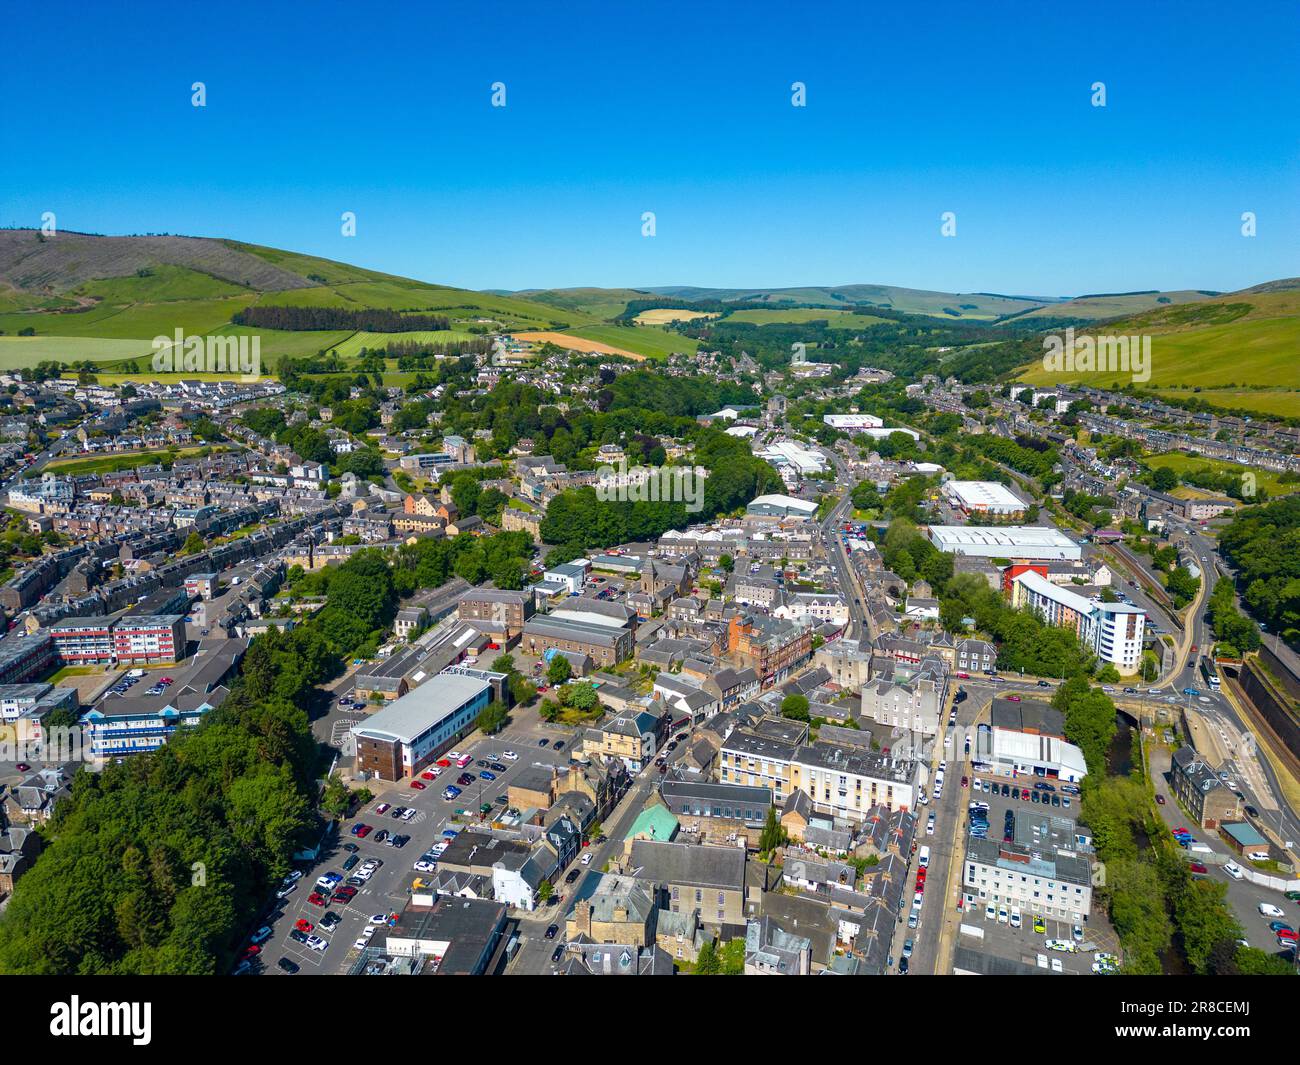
[[923, 858]]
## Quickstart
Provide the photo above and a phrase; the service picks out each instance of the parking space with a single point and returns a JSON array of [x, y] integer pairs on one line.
[[1034, 817], [387, 889]]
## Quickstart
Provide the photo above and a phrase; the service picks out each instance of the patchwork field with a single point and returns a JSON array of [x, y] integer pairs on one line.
[[667, 315], [650, 341], [575, 343]]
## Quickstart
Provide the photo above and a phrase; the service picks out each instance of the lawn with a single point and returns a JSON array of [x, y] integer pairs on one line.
[[122, 460]]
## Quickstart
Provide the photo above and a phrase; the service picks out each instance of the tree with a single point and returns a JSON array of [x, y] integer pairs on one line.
[[545, 891], [503, 663], [559, 670], [795, 707], [523, 689], [492, 718], [1164, 479], [773, 835], [707, 962], [193, 544]]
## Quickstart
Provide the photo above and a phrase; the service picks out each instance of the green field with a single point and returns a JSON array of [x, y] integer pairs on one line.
[[649, 340], [123, 460], [18, 352], [602, 303], [834, 318], [359, 340], [1213, 349], [97, 292], [1279, 402], [1181, 463], [138, 321]]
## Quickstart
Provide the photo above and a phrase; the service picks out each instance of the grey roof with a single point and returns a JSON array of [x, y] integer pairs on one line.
[[685, 863], [416, 712]]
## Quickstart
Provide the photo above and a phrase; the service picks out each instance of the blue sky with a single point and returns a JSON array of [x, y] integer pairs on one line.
[[683, 109]]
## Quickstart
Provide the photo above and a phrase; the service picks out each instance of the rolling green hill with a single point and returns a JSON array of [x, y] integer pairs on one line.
[[88, 297], [1235, 351]]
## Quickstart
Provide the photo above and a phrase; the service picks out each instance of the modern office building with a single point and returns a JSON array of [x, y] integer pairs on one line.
[[410, 732]]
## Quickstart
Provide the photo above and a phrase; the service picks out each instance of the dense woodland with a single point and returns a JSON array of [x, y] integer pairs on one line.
[[371, 319]]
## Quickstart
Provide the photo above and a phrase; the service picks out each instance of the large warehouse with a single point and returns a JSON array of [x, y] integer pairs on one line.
[[1012, 541], [984, 497], [779, 506]]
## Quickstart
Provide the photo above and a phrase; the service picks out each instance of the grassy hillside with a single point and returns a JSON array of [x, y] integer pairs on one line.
[[92, 297], [1237, 350], [602, 303], [971, 306], [1115, 305]]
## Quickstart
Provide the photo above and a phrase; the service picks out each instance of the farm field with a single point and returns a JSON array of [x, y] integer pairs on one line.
[[1181, 463], [353, 344], [575, 342], [665, 315], [1219, 346], [279, 343], [136, 321], [18, 352], [797, 315], [652, 342]]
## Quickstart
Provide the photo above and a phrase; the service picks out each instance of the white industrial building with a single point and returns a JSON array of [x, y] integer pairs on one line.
[[781, 506], [1028, 739], [787, 454], [1012, 541], [852, 421], [984, 497]]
